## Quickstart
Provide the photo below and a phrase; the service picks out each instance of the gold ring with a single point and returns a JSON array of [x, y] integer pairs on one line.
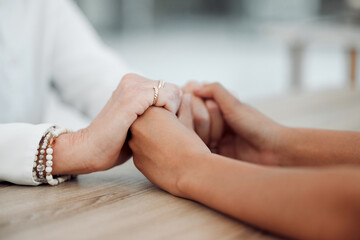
[[156, 95], [161, 84]]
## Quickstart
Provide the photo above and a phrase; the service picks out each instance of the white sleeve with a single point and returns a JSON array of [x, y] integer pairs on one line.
[[18, 144], [85, 72]]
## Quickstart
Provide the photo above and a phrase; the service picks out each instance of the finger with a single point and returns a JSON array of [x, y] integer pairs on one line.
[[185, 114], [169, 97], [201, 119], [191, 86], [216, 123], [225, 100]]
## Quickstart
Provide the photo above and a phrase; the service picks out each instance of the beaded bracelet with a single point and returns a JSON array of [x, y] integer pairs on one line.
[[45, 146]]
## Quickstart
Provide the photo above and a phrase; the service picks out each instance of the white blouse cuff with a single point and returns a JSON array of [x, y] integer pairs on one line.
[[18, 145]]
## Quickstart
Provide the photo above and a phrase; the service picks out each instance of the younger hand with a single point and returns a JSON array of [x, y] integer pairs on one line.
[[207, 120], [164, 149], [249, 135]]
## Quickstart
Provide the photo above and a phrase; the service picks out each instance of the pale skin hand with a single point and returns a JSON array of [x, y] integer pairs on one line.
[[102, 145], [279, 200]]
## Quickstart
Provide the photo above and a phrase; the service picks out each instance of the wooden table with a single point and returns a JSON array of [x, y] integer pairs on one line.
[[122, 204]]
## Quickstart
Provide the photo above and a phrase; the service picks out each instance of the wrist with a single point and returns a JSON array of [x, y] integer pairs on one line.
[[284, 150], [193, 175], [69, 153], [212, 174]]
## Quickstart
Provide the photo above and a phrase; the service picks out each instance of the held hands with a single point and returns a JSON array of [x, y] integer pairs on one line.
[[133, 96], [220, 120], [169, 153], [167, 150], [103, 145]]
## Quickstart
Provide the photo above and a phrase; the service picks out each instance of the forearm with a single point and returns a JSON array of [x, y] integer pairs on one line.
[[309, 147], [281, 200]]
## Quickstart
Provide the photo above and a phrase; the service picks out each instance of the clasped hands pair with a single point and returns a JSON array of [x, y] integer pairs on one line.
[[170, 149], [196, 143], [168, 141]]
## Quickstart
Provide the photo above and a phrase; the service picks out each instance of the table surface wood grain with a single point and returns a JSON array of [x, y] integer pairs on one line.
[[122, 204]]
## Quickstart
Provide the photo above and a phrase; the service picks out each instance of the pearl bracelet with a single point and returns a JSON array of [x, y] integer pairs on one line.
[[45, 146]]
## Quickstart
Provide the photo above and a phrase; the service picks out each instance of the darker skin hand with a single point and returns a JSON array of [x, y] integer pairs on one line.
[[206, 118], [164, 149], [247, 135], [169, 153]]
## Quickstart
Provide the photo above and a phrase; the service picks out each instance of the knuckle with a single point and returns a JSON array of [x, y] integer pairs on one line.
[[125, 83], [177, 92], [129, 77], [170, 93], [193, 84], [216, 85]]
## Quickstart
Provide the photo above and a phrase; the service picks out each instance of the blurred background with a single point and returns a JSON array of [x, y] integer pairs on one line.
[[254, 47], [257, 48]]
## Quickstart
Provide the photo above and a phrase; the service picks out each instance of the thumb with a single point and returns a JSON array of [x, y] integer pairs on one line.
[[226, 101], [185, 113]]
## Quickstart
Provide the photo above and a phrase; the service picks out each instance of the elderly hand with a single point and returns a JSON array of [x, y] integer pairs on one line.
[[164, 149], [102, 145]]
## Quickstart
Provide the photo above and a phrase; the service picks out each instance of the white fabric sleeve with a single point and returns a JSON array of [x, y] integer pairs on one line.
[[18, 145], [85, 72]]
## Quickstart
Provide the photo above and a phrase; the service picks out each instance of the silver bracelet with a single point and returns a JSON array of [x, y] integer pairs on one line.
[[44, 153]]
